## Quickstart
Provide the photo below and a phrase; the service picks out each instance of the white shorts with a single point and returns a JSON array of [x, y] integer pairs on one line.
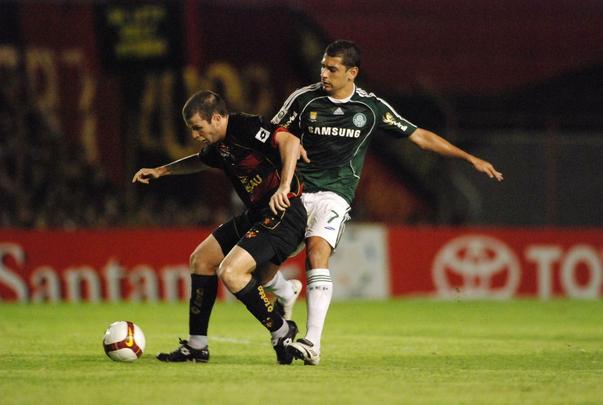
[[327, 215]]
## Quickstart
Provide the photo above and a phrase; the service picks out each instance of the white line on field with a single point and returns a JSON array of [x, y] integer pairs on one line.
[[231, 340]]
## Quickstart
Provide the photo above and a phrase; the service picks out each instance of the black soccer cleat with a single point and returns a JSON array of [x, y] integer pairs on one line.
[[282, 355], [185, 353]]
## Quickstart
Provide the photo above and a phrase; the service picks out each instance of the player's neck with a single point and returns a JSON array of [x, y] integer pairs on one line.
[[223, 127], [344, 94]]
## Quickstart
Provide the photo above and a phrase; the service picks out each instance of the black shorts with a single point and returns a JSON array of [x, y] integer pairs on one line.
[[265, 236]]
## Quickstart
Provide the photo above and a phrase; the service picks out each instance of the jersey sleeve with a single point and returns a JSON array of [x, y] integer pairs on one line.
[[210, 157], [263, 135], [388, 120], [288, 115]]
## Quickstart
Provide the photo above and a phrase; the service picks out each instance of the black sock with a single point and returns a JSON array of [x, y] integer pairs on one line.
[[254, 298], [203, 296]]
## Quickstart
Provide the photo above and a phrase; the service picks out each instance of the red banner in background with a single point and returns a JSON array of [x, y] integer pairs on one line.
[[146, 265], [152, 265], [496, 263]]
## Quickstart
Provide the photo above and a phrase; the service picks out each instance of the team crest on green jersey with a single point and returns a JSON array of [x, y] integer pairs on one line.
[[359, 120], [313, 116]]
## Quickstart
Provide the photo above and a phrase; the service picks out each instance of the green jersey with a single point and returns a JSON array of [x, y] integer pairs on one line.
[[336, 134]]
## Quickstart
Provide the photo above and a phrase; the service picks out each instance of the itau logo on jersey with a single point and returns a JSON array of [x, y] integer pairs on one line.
[[476, 266]]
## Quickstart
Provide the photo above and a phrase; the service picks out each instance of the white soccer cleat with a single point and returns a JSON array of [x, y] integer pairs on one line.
[[304, 350], [287, 307]]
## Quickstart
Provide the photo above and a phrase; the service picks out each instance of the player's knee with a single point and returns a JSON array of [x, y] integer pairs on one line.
[[195, 263], [198, 265], [227, 272]]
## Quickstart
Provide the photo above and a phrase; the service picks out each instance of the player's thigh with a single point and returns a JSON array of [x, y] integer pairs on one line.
[[229, 233], [266, 272], [327, 215], [257, 242], [238, 261], [235, 267], [206, 257], [274, 237]]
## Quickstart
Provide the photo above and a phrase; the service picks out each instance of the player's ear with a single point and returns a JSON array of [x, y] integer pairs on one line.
[[352, 73], [215, 117]]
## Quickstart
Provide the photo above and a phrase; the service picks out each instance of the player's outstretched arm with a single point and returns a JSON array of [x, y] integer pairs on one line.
[[145, 175], [427, 140], [288, 146], [186, 165]]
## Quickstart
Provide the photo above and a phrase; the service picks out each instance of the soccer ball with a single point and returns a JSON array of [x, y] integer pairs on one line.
[[124, 341]]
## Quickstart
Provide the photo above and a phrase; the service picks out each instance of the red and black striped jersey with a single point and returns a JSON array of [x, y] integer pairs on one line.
[[250, 158]]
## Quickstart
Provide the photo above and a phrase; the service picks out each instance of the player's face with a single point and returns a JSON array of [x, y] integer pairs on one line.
[[206, 132], [336, 79]]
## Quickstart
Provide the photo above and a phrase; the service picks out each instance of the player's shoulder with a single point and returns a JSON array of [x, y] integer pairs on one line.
[[307, 92], [370, 98], [244, 125], [244, 117], [361, 94], [296, 102], [241, 120]]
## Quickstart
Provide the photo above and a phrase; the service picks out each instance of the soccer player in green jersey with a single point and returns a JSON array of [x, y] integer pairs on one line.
[[335, 121]]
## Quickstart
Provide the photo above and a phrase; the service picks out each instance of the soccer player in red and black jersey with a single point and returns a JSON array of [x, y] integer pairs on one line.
[[260, 162]]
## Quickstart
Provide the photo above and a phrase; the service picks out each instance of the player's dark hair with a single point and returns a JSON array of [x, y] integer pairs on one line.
[[346, 50], [206, 103]]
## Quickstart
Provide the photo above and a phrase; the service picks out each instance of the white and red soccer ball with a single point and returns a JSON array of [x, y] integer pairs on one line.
[[124, 341]]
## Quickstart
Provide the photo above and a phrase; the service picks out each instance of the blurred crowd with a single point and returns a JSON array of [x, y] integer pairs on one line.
[[46, 182]]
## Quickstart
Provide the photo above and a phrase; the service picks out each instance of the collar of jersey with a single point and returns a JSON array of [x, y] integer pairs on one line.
[[342, 100]]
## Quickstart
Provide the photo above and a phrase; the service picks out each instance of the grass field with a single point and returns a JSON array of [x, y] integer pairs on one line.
[[403, 351]]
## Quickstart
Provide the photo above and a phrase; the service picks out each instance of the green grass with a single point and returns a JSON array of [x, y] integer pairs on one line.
[[404, 351]]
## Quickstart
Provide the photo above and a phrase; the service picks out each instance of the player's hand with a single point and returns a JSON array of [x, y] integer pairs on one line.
[[486, 167], [279, 200], [303, 155], [145, 175]]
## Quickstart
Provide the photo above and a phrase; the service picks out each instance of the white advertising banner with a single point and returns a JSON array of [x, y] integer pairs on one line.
[[360, 265]]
